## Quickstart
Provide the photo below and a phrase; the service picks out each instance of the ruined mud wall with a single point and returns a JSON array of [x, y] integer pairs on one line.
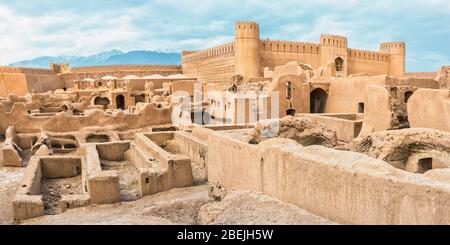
[[345, 94], [119, 71], [20, 81], [404, 148], [430, 108], [386, 108], [346, 187], [443, 76], [65, 122], [213, 65]]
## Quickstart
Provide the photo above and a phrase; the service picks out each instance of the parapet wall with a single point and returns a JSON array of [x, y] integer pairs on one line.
[[367, 55], [277, 52], [20, 81], [7, 69], [369, 62], [346, 187], [211, 65], [112, 68], [207, 53]]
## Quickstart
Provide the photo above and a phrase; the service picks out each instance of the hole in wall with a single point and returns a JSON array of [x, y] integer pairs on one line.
[[424, 165], [361, 108]]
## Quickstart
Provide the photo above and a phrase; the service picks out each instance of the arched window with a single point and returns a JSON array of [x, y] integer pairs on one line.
[[339, 62], [288, 90]]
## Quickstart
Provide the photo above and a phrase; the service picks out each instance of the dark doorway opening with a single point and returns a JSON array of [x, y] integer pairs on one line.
[[120, 102], [101, 101], [139, 98], [408, 95], [290, 112], [318, 98], [288, 90], [361, 108], [425, 164]]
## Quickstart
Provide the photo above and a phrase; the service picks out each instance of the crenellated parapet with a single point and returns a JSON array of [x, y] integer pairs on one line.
[[247, 29], [8, 69], [367, 55], [124, 68], [333, 40], [289, 46], [228, 48], [388, 46]]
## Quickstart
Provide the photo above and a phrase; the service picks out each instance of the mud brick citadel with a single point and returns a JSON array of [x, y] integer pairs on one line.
[[309, 133]]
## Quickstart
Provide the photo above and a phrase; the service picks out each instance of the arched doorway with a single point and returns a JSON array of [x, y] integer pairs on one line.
[[120, 102], [102, 101], [318, 98]]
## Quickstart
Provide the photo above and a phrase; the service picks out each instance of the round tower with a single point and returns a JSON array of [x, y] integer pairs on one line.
[[333, 48], [247, 58], [397, 52]]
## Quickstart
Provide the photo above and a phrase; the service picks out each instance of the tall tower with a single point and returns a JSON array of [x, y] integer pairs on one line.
[[333, 48], [397, 51], [247, 58]]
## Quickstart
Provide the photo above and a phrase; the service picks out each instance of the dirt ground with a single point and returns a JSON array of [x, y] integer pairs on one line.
[[178, 206], [53, 189], [128, 178], [171, 146], [9, 181], [250, 208], [187, 206]]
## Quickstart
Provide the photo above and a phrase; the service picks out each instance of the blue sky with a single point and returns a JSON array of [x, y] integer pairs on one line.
[[32, 28]]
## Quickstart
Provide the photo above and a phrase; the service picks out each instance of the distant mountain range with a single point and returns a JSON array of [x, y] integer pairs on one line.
[[112, 57]]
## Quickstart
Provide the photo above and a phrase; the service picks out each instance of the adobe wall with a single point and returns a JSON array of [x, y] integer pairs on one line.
[[378, 113], [169, 171], [103, 185], [430, 108], [346, 93], [210, 65], [20, 81], [345, 187]]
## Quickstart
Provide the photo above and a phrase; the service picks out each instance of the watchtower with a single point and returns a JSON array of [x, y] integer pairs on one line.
[[247, 57], [333, 48], [397, 52]]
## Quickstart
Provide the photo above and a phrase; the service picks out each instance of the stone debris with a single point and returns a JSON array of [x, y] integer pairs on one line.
[[305, 131]]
